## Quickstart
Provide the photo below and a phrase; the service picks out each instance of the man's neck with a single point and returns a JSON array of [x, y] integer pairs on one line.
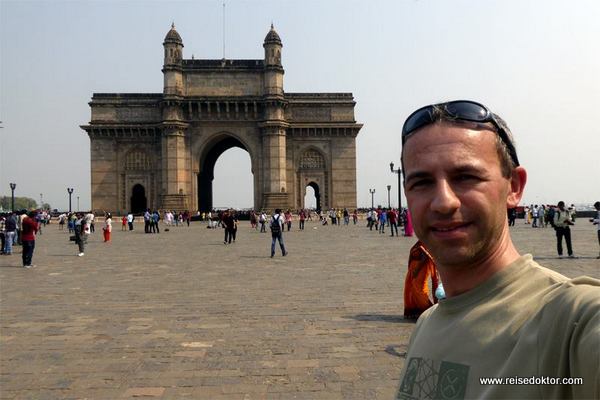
[[460, 279]]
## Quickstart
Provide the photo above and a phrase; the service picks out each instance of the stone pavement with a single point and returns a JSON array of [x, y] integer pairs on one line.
[[180, 315]]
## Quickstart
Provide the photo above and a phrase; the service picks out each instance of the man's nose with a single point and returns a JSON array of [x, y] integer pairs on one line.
[[445, 200]]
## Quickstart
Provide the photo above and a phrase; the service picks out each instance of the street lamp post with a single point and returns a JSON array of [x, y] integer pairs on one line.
[[13, 186], [41, 201], [70, 191], [372, 191], [398, 172], [389, 187], [77, 203]]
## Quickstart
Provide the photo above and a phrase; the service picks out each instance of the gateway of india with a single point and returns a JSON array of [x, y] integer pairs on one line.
[[158, 150]]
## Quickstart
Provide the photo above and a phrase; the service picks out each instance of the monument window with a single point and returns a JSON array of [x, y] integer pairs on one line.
[[137, 160], [312, 159]]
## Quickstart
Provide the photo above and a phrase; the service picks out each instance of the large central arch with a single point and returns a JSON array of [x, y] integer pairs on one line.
[[206, 174]]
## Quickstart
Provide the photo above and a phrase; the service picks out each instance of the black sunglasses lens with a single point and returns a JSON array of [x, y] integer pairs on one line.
[[417, 120], [467, 110]]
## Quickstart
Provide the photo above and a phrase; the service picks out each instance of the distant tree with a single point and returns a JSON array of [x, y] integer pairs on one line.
[[20, 203], [46, 206]]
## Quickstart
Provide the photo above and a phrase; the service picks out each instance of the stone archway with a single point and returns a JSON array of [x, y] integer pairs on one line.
[[206, 172], [138, 200], [315, 187], [313, 171]]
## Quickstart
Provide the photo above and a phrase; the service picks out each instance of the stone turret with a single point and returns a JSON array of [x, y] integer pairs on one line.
[[273, 69], [172, 67], [175, 190], [275, 193]]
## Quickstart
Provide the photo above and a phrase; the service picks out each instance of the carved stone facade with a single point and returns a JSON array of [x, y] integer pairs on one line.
[[158, 150]]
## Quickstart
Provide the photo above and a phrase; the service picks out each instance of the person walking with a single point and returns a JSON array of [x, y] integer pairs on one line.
[[61, 221], [262, 219], [130, 219], [512, 216], [82, 231], [155, 217], [169, 218], [540, 222], [39, 218], [534, 214], [382, 216], [277, 232], [392, 218], [2, 233], [288, 219], [10, 228], [236, 222], [147, 221], [408, 226], [302, 218], [92, 220], [228, 222], [596, 221], [107, 229], [28, 231], [562, 221]]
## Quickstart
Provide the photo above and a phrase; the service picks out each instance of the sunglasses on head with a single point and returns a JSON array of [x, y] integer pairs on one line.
[[463, 110]]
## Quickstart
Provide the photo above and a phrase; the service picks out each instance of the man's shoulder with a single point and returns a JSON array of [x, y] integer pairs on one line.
[[577, 295]]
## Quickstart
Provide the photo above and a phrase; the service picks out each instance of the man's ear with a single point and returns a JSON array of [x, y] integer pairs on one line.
[[518, 180]]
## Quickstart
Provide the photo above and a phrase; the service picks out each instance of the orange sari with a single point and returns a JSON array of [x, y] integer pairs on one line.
[[416, 291]]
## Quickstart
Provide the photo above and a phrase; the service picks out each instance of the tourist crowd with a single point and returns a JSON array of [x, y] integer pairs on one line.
[[80, 225]]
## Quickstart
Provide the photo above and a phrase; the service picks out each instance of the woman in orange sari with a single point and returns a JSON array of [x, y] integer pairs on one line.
[[416, 291]]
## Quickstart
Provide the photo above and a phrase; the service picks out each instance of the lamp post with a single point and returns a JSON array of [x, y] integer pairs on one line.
[[70, 191], [398, 172], [13, 186], [77, 203], [372, 191], [41, 201], [389, 187]]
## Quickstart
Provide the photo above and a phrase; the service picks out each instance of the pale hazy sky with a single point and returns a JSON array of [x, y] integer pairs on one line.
[[535, 63]]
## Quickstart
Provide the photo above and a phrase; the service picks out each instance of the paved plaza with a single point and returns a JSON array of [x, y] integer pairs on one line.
[[181, 315]]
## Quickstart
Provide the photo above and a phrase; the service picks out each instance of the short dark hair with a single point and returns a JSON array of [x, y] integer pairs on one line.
[[507, 164]]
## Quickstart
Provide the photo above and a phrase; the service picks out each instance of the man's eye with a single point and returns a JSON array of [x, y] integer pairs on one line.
[[467, 177], [419, 183]]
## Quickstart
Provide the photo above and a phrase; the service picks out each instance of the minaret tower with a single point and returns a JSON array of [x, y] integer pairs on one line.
[[273, 68], [274, 126], [172, 67], [176, 187]]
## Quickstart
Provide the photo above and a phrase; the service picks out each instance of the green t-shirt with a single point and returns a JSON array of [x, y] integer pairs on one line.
[[526, 321]]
